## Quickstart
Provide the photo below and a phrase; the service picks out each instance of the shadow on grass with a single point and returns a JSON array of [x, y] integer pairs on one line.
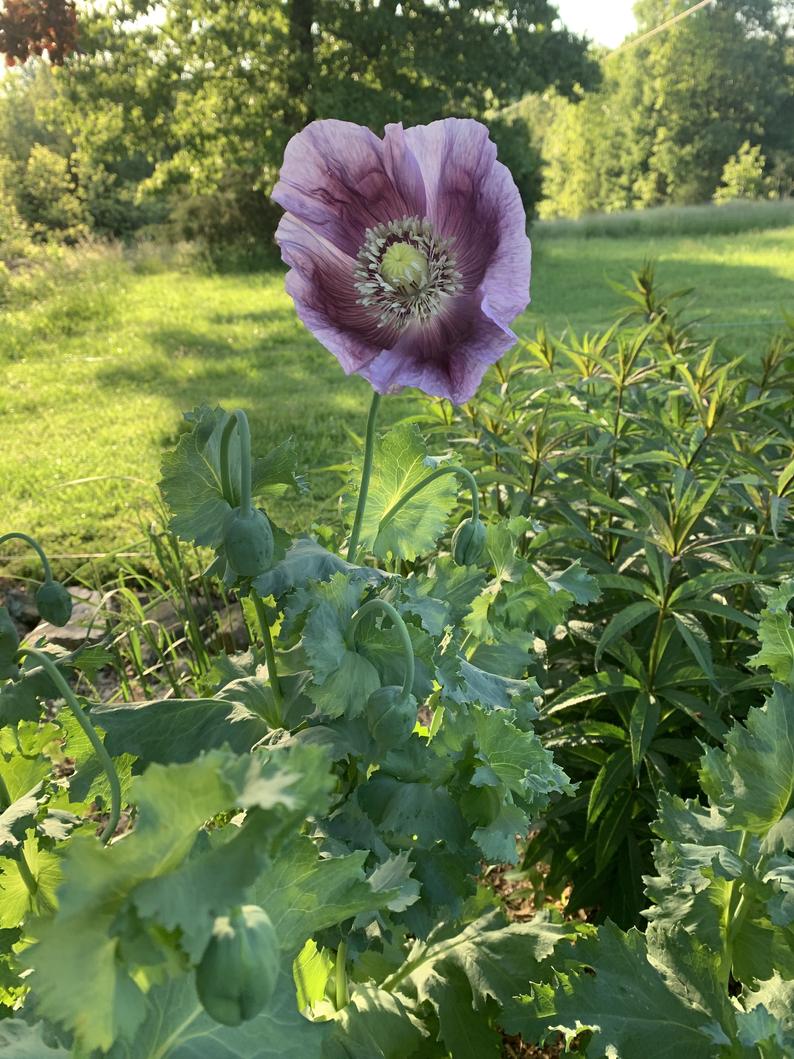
[[259, 357], [287, 383]]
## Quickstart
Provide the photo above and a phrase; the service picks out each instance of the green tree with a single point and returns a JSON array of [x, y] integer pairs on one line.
[[744, 176], [204, 97], [422, 59], [29, 98], [713, 80], [15, 237], [50, 201], [595, 151], [673, 109]]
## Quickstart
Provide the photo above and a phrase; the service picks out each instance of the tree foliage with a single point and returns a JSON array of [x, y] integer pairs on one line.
[[191, 104], [673, 109], [180, 112], [743, 176]]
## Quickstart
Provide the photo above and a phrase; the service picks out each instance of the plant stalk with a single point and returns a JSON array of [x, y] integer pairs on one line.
[[402, 630], [105, 759], [735, 910], [270, 655], [461, 472], [653, 657], [34, 544], [611, 542], [31, 885], [340, 976], [366, 474]]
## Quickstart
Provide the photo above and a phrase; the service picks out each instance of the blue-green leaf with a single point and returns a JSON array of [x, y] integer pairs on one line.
[[401, 462]]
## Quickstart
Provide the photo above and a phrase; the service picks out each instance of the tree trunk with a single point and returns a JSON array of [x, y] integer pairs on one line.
[[301, 67]]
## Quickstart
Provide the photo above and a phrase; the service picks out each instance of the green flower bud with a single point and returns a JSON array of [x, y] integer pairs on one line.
[[9, 645], [468, 542], [237, 974], [391, 715], [248, 543], [54, 603]]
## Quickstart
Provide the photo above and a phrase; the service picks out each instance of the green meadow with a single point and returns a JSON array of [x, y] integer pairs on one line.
[[102, 352]]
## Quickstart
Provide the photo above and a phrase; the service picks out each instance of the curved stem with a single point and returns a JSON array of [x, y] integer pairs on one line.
[[245, 462], [270, 654], [105, 759], [461, 472], [340, 976], [366, 474], [735, 909], [237, 419], [400, 626], [36, 547], [31, 885], [226, 473]]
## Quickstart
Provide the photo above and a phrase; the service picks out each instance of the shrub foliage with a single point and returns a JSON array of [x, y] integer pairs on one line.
[[665, 468], [286, 851]]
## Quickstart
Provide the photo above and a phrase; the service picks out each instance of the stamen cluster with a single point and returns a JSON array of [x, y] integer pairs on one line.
[[401, 303]]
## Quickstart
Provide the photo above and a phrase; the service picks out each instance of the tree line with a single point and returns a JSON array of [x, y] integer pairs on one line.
[[702, 110], [177, 113]]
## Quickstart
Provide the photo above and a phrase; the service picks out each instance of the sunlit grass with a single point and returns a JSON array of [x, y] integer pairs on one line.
[[742, 282], [101, 356], [88, 410], [709, 219]]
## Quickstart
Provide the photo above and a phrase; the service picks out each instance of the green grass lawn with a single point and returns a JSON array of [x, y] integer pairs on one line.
[[742, 282], [104, 353]]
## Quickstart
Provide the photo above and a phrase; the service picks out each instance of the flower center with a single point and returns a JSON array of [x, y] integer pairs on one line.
[[405, 272], [404, 266]]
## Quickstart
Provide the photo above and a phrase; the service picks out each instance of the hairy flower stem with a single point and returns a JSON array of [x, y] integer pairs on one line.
[[402, 630], [461, 472], [366, 474], [104, 757], [270, 655], [735, 910], [31, 885], [340, 976], [238, 419], [34, 544]]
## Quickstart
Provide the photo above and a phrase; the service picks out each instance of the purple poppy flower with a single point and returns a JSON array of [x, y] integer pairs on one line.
[[408, 256]]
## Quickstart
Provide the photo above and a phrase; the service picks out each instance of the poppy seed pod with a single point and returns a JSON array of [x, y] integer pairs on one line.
[[391, 715], [468, 542], [237, 975], [248, 543], [54, 603]]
